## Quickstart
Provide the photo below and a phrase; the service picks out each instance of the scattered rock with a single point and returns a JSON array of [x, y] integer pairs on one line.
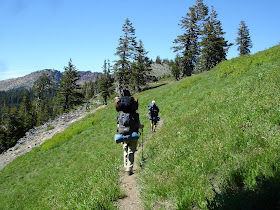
[[36, 136]]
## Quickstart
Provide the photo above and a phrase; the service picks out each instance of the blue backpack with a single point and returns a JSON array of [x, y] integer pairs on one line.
[[153, 112]]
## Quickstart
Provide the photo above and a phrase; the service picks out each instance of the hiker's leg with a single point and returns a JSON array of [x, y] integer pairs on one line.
[[155, 125], [152, 125], [125, 154], [131, 150]]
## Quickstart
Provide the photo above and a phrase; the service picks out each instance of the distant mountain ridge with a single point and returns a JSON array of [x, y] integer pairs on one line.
[[26, 82]]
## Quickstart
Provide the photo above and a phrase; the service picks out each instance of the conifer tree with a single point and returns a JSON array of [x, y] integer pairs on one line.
[[243, 40], [25, 112], [44, 89], [140, 67], [188, 42], [201, 13], [68, 94], [125, 51], [214, 46], [4, 126], [158, 60], [14, 129], [3, 144], [4, 114], [106, 82], [88, 92], [175, 67]]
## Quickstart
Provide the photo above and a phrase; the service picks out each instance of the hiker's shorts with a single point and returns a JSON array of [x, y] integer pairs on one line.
[[154, 121], [129, 148]]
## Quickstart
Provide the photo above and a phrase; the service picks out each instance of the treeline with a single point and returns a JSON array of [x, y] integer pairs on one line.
[[21, 109], [202, 45]]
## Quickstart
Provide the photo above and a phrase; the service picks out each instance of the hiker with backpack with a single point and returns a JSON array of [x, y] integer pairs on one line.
[[153, 115], [128, 125]]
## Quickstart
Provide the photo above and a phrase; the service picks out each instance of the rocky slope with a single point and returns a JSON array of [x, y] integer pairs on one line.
[[36, 136]]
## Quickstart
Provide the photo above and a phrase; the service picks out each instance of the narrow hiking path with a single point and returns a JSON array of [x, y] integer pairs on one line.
[[132, 199], [41, 134]]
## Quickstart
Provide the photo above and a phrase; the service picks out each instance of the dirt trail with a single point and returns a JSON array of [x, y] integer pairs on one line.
[[132, 200], [40, 135]]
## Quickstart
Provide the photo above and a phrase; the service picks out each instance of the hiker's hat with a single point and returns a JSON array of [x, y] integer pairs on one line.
[[153, 102]]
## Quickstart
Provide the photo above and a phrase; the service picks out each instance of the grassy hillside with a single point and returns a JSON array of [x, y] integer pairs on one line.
[[219, 145], [218, 148]]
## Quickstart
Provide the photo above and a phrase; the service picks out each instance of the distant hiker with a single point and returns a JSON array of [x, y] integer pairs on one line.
[[153, 115], [128, 124]]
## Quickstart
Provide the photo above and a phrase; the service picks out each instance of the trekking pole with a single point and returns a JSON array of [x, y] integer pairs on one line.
[[142, 145]]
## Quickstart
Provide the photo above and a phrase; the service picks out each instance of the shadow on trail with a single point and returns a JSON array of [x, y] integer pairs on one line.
[[266, 195]]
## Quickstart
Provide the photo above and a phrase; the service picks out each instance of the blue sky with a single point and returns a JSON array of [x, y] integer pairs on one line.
[[45, 34]]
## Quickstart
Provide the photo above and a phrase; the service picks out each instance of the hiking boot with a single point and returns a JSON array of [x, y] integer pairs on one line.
[[129, 173]]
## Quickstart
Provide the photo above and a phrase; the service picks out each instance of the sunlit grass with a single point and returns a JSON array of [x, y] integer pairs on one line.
[[219, 132], [217, 148]]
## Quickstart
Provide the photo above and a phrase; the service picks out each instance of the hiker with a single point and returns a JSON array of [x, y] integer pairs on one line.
[[128, 123], [153, 115]]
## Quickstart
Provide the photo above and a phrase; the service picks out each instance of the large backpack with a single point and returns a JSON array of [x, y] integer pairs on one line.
[[126, 104], [127, 119], [127, 122], [153, 110]]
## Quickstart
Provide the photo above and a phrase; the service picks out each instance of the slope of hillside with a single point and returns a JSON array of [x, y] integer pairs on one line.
[[219, 145], [217, 148]]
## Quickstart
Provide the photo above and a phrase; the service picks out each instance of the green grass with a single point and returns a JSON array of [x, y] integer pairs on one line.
[[78, 169], [218, 148], [219, 139]]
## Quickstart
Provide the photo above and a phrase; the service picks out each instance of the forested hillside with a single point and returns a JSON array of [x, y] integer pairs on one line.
[[218, 147]]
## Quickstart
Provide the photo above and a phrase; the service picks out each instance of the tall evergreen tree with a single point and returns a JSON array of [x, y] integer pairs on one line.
[[106, 82], [14, 129], [158, 60], [243, 40], [88, 92], [201, 13], [4, 114], [140, 67], [175, 67], [25, 112], [3, 143], [125, 51], [188, 42], [214, 46], [44, 89], [68, 94]]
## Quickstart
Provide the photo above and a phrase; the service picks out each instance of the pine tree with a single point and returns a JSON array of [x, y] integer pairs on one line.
[[243, 40], [44, 89], [175, 67], [4, 114], [14, 129], [68, 94], [158, 60], [3, 143], [201, 13], [106, 82], [4, 126], [140, 67], [25, 112], [214, 46], [88, 92], [188, 42], [125, 51]]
